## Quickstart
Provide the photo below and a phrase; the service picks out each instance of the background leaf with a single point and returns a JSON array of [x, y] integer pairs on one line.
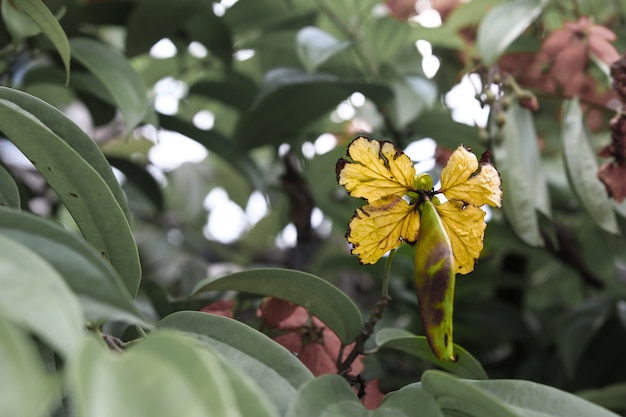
[[582, 169], [326, 395], [254, 353], [319, 297], [9, 193], [34, 296], [315, 47]]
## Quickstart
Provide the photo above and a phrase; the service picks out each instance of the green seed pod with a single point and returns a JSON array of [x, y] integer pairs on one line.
[[423, 182], [435, 279]]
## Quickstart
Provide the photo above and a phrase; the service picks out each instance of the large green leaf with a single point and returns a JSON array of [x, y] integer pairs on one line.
[[67, 130], [9, 193], [161, 376], [460, 398], [321, 298], [34, 296], [610, 397], [519, 195], [290, 99], [582, 168], [503, 24], [83, 191], [26, 389], [49, 25], [100, 290], [327, 395], [465, 366], [117, 75], [253, 352]]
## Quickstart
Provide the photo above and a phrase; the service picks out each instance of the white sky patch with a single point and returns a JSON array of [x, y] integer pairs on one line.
[[465, 108], [428, 18], [204, 120], [219, 9], [345, 111], [308, 150], [256, 208], [197, 50], [163, 49], [357, 99], [172, 149], [244, 54], [430, 63], [326, 142], [283, 148], [287, 238], [168, 91], [226, 223]]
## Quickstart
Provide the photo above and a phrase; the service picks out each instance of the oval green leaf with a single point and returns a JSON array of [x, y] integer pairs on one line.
[[179, 374], [327, 395], [582, 168], [465, 366], [117, 75], [67, 130], [251, 351], [26, 388], [49, 25], [408, 401], [9, 193], [321, 298], [83, 191], [503, 24], [34, 296], [100, 290], [316, 46]]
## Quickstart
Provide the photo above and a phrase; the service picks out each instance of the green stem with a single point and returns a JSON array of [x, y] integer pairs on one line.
[[385, 287]]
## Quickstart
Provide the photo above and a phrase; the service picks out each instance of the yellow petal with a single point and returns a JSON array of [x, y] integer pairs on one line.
[[381, 226], [465, 180], [376, 169], [465, 226]]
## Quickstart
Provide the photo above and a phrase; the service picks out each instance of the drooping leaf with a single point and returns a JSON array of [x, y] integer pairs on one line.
[[465, 366], [503, 24], [253, 352], [316, 46], [434, 277], [9, 193], [34, 296], [99, 288], [26, 389], [321, 298], [582, 169], [141, 178], [49, 25], [18, 24], [519, 197], [68, 131], [117, 75], [83, 191], [179, 374]]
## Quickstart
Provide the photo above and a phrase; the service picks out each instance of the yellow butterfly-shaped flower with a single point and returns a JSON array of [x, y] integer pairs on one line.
[[385, 177]]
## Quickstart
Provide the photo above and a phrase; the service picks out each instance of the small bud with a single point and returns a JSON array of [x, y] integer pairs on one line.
[[423, 182], [497, 78], [490, 97], [501, 119], [505, 103], [483, 136]]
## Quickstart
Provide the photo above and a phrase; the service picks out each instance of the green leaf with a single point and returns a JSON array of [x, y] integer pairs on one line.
[[49, 25], [141, 178], [316, 46], [26, 389], [18, 24], [117, 75], [465, 366], [408, 401], [434, 278], [411, 95], [533, 399], [327, 395], [83, 191], [611, 396], [457, 397], [100, 290], [518, 193], [251, 351], [321, 298], [34, 296], [67, 130], [582, 168], [236, 90], [160, 376], [211, 31], [503, 24], [291, 99], [9, 193]]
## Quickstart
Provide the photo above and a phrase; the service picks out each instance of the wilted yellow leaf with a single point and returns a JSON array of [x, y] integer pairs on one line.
[[465, 180], [381, 226], [465, 226], [376, 169]]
